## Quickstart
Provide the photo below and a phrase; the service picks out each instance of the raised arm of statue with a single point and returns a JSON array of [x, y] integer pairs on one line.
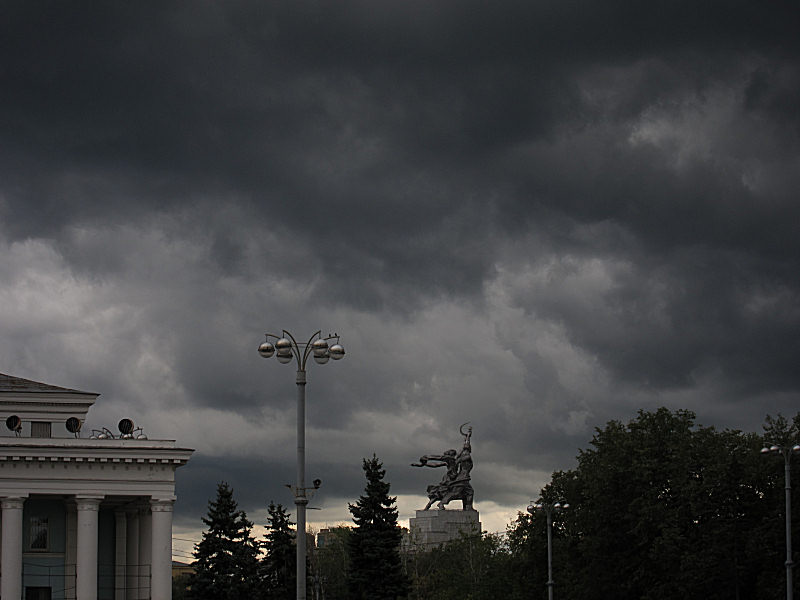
[[423, 461]]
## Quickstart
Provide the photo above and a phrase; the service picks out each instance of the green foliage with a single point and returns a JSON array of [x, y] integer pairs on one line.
[[180, 583], [660, 509], [375, 571], [277, 569], [227, 557], [330, 564], [779, 430], [526, 539], [473, 567]]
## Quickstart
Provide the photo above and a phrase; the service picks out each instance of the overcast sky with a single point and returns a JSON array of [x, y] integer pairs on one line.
[[533, 216]]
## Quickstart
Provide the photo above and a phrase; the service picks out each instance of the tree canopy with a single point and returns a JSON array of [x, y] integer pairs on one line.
[[330, 563], [661, 508]]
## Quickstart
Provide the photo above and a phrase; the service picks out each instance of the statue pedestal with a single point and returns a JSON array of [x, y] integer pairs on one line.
[[434, 527]]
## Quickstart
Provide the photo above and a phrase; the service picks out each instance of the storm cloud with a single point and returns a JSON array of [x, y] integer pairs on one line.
[[533, 216]]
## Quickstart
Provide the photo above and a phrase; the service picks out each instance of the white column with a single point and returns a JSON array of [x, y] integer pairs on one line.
[[86, 568], [11, 568], [145, 543], [120, 560], [132, 553], [161, 555]]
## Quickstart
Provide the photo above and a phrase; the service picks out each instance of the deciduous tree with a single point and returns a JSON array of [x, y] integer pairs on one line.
[[329, 563], [474, 567], [661, 508]]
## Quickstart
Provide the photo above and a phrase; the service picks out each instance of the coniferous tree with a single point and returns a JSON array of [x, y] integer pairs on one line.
[[226, 559], [375, 571], [277, 568]]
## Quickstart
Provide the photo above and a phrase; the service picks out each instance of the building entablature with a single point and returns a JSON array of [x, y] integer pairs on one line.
[[100, 451]]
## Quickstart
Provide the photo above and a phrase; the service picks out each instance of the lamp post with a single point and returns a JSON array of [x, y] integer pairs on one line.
[[786, 452], [286, 348], [548, 509]]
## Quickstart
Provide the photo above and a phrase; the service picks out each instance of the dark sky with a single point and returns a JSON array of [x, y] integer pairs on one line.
[[533, 216]]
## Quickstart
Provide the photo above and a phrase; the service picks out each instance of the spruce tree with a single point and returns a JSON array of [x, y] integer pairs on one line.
[[375, 571], [277, 570], [226, 559]]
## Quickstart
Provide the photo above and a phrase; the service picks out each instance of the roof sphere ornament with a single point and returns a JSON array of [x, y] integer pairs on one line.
[[125, 427]]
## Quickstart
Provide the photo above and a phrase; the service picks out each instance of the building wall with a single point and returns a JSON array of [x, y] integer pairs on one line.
[[49, 568], [106, 533], [45, 568]]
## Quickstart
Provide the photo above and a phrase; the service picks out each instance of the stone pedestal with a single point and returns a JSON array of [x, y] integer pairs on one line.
[[431, 528]]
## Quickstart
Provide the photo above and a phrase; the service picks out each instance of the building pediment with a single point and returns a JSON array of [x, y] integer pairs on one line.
[[33, 401]]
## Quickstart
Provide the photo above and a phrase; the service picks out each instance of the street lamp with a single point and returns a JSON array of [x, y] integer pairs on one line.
[[786, 452], [285, 348], [548, 509]]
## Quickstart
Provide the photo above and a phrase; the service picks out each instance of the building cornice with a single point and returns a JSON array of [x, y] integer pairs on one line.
[[93, 451]]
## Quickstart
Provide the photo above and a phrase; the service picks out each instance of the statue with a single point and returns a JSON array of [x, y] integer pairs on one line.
[[455, 484]]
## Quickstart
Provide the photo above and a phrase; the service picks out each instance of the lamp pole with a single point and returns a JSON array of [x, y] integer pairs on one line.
[[548, 509], [285, 349], [786, 452]]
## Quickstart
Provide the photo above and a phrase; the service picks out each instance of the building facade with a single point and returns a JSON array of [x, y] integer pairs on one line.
[[85, 515]]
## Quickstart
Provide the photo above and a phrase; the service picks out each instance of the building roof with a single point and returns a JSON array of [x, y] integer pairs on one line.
[[9, 383]]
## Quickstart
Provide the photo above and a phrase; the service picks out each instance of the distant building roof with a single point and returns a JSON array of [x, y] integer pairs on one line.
[[8, 383]]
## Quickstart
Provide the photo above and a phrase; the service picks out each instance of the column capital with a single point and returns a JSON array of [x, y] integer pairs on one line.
[[161, 505], [144, 509], [10, 503], [92, 503]]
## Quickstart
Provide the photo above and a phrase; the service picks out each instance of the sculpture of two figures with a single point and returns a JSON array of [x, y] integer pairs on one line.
[[455, 484]]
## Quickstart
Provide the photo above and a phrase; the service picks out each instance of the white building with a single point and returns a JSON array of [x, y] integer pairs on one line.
[[85, 517]]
